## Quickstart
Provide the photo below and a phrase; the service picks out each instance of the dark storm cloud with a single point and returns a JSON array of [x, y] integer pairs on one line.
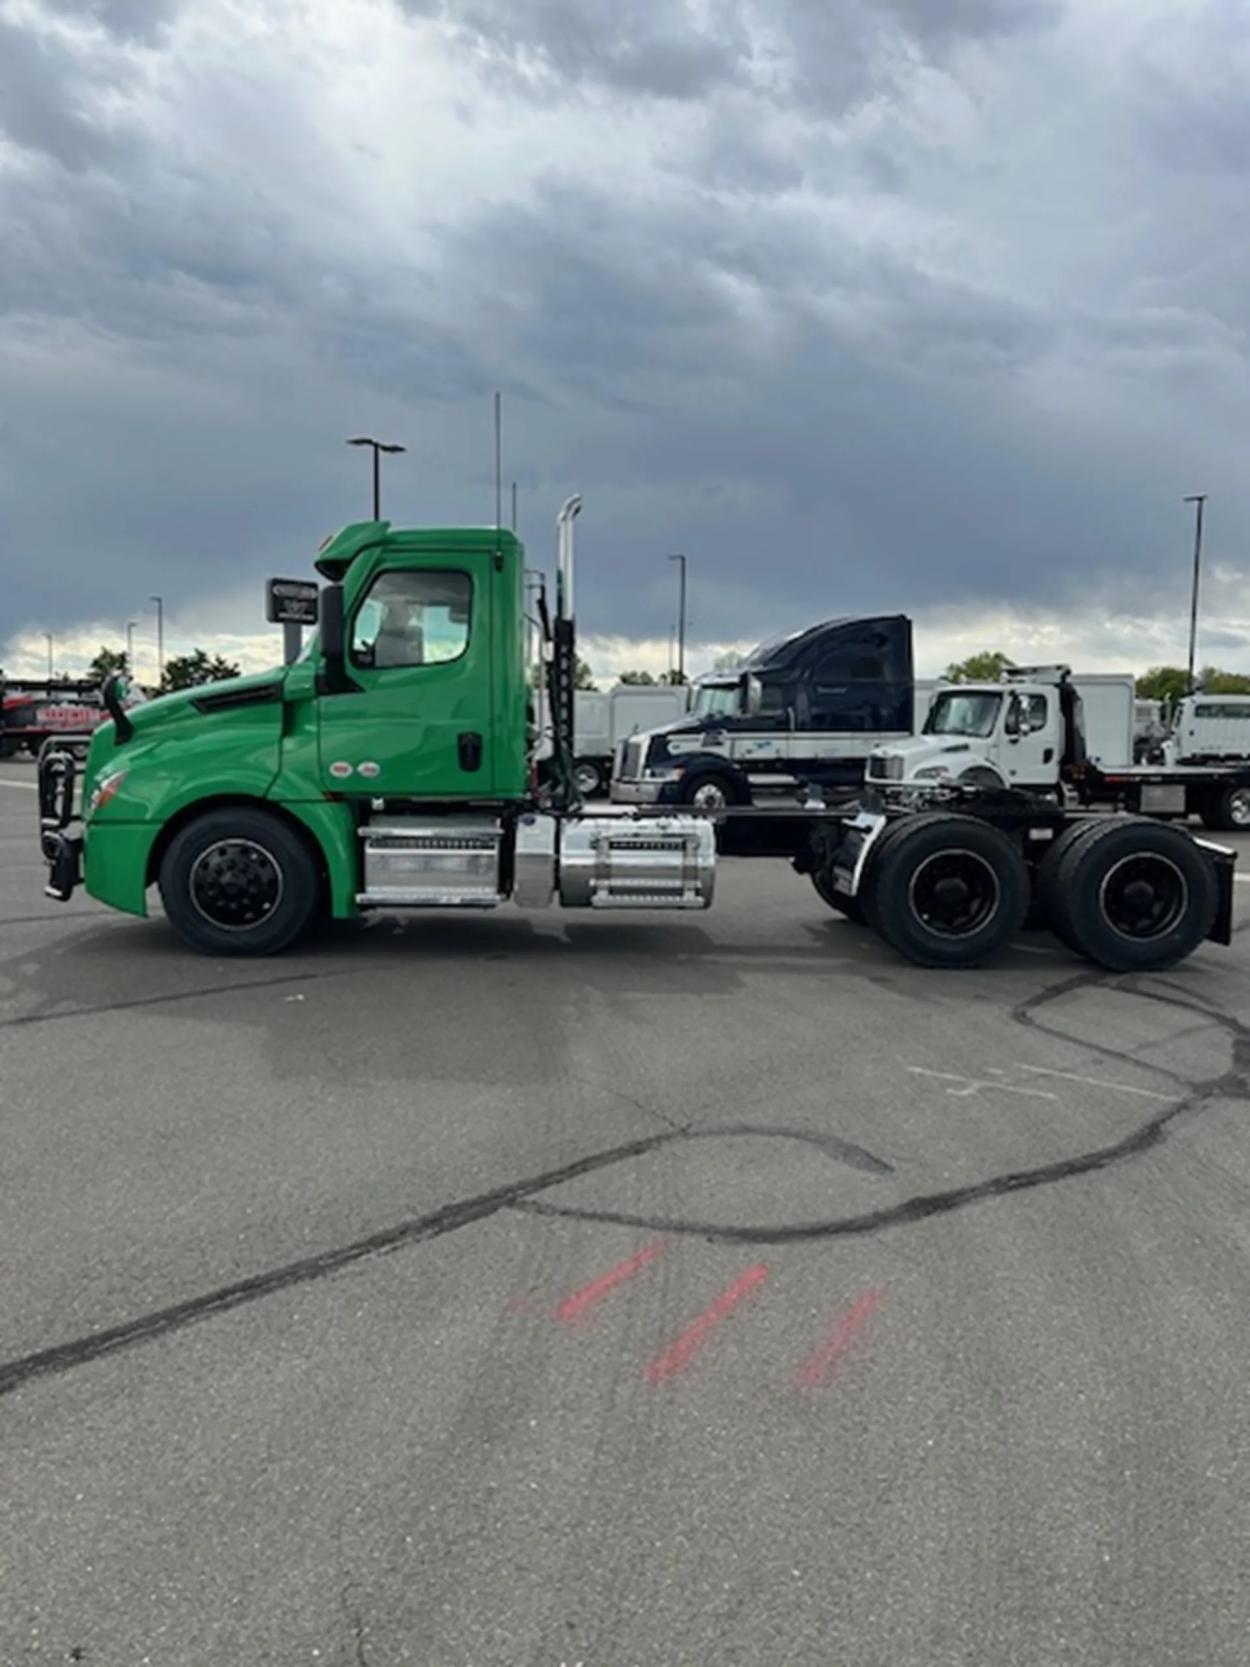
[[676, 49], [845, 348]]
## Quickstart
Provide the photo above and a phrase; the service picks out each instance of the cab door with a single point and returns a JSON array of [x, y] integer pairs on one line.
[[1029, 753], [418, 646]]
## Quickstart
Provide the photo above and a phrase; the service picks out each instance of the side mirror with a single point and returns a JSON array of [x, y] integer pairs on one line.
[[113, 694], [333, 679]]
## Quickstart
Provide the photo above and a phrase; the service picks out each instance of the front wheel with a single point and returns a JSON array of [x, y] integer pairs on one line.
[[708, 791], [239, 882]]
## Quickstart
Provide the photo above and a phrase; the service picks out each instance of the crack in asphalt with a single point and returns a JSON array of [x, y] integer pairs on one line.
[[169, 996], [522, 1195]]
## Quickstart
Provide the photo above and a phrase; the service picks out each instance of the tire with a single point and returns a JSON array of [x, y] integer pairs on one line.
[[1052, 893], [709, 790], [1134, 895], [589, 777], [239, 881], [1227, 809], [850, 907], [949, 890]]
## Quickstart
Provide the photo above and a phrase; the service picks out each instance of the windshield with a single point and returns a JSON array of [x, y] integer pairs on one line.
[[715, 700], [961, 713]]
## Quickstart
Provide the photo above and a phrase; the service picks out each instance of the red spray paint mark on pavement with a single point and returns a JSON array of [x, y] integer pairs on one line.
[[682, 1350], [820, 1366], [579, 1304]]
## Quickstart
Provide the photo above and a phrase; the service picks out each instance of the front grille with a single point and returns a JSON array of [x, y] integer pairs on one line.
[[631, 760]]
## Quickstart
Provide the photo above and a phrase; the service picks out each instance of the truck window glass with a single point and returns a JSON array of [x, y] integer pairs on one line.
[[715, 700], [954, 713], [415, 617]]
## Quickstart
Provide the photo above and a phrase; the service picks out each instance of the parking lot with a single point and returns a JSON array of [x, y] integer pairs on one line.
[[477, 1291]]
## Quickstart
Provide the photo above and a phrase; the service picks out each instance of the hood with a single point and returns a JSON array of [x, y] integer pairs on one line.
[[935, 754], [251, 689]]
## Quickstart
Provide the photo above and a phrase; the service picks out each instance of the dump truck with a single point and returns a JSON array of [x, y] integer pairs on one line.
[[391, 767]]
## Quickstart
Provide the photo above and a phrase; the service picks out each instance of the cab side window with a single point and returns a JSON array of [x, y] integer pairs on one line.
[[419, 617]]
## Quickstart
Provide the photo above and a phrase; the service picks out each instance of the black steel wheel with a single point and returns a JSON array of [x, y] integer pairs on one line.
[[1135, 895], [238, 881], [948, 890]]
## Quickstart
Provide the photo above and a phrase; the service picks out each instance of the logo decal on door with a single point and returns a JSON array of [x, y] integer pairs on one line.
[[369, 768], [340, 768]]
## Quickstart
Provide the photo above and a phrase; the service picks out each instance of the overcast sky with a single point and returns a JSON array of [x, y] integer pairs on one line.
[[937, 305]]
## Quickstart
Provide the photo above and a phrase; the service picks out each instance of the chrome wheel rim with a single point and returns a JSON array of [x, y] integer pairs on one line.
[[710, 796]]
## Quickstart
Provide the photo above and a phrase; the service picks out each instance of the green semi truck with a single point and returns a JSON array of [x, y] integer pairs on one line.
[[396, 765]]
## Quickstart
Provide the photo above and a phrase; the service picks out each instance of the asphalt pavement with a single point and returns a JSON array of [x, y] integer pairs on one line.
[[522, 1289]]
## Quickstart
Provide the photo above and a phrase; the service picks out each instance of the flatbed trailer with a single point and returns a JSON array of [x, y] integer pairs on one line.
[[375, 774], [1217, 792]]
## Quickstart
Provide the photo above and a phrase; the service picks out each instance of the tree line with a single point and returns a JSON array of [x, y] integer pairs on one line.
[[182, 671], [1159, 683]]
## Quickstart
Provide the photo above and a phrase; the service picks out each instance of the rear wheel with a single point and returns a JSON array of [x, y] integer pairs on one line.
[[1133, 895], [850, 907], [1227, 809], [1050, 889], [238, 881], [947, 891]]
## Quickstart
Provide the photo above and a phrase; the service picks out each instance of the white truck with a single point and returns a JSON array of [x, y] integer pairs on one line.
[[604, 720], [1210, 729], [1046, 731]]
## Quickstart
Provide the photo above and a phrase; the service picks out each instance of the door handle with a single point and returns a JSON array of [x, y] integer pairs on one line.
[[469, 748]]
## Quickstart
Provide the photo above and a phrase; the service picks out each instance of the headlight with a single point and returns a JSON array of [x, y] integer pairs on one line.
[[931, 772], [885, 769]]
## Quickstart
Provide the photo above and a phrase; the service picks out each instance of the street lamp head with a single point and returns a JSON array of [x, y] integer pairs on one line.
[[1195, 498], [360, 440], [382, 447]]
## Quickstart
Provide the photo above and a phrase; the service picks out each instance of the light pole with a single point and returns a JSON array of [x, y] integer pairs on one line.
[[379, 446], [130, 648], [681, 620], [1198, 498], [160, 638], [48, 635]]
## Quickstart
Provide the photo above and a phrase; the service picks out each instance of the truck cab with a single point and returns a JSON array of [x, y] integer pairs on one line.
[[984, 735], [804, 709]]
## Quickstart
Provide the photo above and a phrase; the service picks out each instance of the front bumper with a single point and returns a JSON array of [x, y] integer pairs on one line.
[[60, 835], [642, 790]]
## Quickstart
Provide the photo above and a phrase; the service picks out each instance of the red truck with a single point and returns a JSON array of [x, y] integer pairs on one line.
[[31, 711]]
